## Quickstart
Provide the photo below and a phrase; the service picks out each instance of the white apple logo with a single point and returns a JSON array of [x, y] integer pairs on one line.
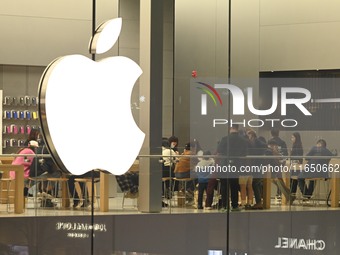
[[85, 110]]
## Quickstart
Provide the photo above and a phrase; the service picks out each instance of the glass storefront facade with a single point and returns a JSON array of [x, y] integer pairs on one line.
[[256, 64]]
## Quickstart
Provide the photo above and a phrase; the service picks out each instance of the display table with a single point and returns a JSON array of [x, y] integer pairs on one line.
[[104, 186], [18, 186], [334, 184], [104, 191], [6, 160]]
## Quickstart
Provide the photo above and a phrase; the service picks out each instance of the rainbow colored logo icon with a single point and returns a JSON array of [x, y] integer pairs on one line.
[[211, 91], [213, 94]]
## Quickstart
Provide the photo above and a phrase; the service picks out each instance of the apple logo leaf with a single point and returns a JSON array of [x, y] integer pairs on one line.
[[105, 36]]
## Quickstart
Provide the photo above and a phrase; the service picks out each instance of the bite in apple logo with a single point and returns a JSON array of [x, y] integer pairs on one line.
[[85, 111]]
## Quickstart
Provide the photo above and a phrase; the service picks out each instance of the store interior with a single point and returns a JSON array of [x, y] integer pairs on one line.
[[179, 45]]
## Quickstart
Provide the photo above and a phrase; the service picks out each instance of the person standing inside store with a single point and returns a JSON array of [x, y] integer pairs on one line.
[[233, 147], [245, 180], [297, 151], [274, 162], [256, 148], [282, 149], [203, 177]]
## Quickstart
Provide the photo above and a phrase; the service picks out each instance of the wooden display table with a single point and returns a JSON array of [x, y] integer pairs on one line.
[[104, 187], [104, 192], [334, 184], [6, 160], [18, 186]]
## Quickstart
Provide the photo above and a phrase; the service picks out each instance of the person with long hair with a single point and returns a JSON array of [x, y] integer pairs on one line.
[[296, 154], [33, 136], [297, 148]]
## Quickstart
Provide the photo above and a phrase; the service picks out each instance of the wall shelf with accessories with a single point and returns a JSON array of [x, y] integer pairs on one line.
[[20, 116]]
